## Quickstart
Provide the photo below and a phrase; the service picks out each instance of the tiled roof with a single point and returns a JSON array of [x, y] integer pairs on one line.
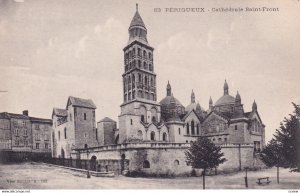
[[78, 102], [225, 100], [4, 115], [60, 112], [17, 116], [106, 119], [35, 119]]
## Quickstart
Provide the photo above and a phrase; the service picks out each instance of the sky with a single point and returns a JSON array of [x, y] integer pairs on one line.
[[50, 50]]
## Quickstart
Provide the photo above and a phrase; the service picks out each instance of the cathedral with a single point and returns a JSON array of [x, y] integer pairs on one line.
[[143, 119], [151, 136]]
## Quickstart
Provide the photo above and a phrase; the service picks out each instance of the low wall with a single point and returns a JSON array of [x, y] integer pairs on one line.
[[165, 158], [19, 156]]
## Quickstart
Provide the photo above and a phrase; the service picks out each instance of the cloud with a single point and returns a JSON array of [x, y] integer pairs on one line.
[[81, 46]]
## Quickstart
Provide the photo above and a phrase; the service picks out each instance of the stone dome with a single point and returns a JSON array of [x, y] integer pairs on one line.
[[171, 108], [170, 99], [225, 100], [193, 106]]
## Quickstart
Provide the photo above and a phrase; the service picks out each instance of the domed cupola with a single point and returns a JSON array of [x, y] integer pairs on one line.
[[226, 99], [171, 108], [193, 104]]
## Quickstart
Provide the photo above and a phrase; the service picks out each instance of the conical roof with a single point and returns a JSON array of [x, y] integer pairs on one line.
[[137, 21]]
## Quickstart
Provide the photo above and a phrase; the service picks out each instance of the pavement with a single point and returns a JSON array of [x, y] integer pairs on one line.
[[39, 176]]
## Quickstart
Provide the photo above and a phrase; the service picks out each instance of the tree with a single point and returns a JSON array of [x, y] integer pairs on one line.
[[281, 151], [204, 154], [271, 156]]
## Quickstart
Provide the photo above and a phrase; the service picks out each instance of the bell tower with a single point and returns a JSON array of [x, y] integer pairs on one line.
[[139, 109], [139, 79]]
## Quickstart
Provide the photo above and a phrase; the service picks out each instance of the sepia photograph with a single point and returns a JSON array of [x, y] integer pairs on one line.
[[173, 94]]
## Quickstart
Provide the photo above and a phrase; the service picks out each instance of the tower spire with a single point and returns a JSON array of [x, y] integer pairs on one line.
[[169, 91], [225, 88], [193, 97], [210, 103], [137, 7]]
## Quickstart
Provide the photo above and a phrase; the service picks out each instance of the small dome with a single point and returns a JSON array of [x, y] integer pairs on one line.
[[225, 100], [193, 106], [170, 99], [171, 108]]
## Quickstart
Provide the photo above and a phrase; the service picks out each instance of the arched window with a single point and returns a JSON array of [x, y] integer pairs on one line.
[[193, 127], [198, 130], [96, 134], [146, 80], [85, 146], [153, 119], [146, 164], [133, 52], [143, 118], [176, 162], [58, 135], [133, 94], [187, 129], [140, 134], [140, 77], [144, 53], [133, 80], [150, 55], [84, 116], [150, 67], [117, 139], [65, 131], [179, 130], [129, 80], [164, 137], [139, 63], [152, 136], [62, 153], [145, 66], [151, 81], [139, 52]]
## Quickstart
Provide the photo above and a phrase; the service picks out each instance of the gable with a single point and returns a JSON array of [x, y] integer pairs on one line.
[[191, 116], [213, 116], [255, 115]]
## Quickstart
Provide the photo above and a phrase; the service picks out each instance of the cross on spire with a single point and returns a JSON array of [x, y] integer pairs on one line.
[[137, 7]]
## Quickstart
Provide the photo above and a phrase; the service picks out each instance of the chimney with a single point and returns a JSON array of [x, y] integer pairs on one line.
[[25, 112]]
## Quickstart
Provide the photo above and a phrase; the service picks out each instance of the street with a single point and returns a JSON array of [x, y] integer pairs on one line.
[[39, 176]]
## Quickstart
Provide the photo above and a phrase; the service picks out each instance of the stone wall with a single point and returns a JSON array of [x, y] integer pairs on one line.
[[167, 158], [85, 127]]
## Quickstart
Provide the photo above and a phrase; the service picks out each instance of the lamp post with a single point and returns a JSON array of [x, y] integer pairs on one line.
[[246, 177], [87, 158]]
